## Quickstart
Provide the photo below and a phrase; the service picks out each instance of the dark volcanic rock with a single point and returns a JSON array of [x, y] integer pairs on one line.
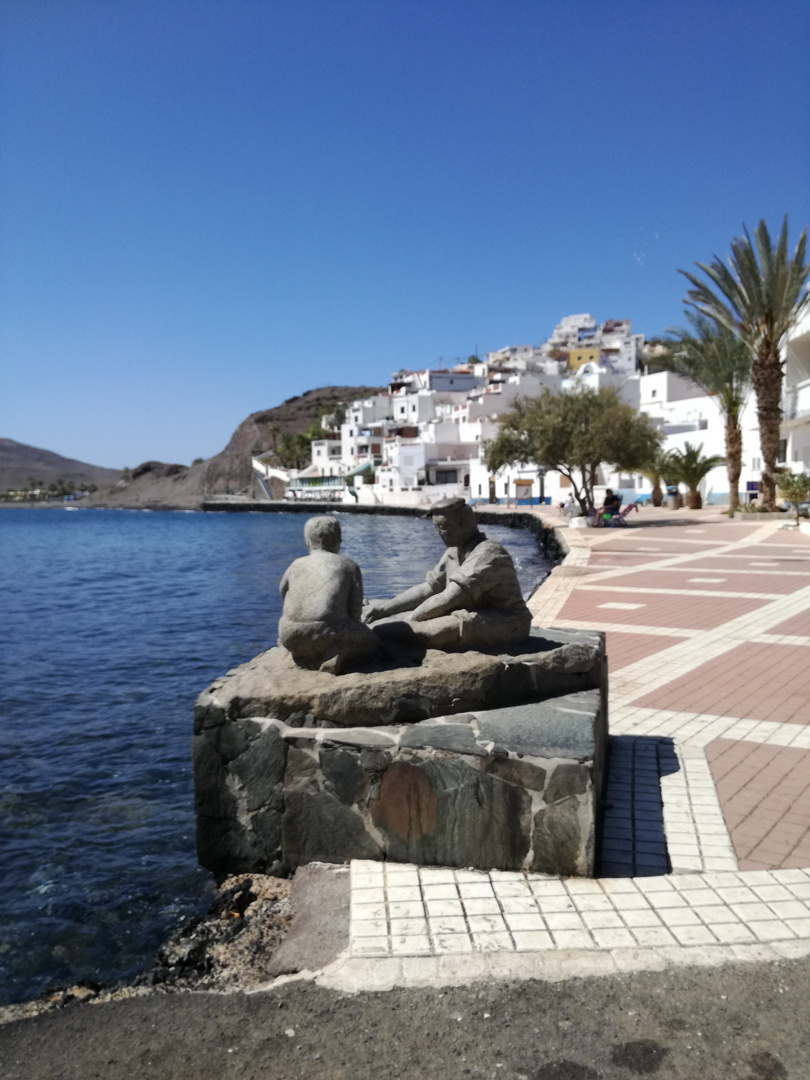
[[557, 840], [317, 827], [444, 683], [451, 814]]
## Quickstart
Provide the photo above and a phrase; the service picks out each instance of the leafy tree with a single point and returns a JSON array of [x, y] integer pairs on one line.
[[197, 461], [758, 296], [717, 361], [574, 433], [795, 488], [688, 466], [274, 431]]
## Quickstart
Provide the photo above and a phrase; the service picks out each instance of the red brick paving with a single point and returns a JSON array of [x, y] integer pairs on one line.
[[764, 789], [678, 612], [765, 795], [793, 560], [751, 582], [609, 559], [624, 649], [798, 625], [659, 545], [751, 681], [792, 539], [734, 562]]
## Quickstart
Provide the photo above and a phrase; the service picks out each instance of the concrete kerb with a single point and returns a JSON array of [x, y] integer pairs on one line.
[[354, 975]]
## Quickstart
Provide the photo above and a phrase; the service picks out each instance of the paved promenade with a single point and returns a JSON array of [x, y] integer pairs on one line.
[[706, 845]]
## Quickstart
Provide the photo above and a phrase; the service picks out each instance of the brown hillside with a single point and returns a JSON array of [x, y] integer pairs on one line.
[[154, 484]]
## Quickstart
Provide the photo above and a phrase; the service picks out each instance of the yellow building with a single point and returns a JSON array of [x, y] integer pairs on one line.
[[578, 357]]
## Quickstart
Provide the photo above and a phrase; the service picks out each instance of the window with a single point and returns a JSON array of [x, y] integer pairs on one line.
[[782, 452], [446, 476]]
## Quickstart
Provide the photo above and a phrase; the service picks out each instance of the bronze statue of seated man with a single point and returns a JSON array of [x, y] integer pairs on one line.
[[471, 600], [322, 594]]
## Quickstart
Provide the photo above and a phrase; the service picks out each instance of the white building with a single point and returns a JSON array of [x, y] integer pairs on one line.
[[795, 442]]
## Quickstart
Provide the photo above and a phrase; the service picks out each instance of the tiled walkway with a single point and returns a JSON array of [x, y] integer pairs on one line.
[[706, 841]]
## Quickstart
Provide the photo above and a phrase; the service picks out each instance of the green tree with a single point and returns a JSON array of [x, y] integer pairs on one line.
[[794, 488], [688, 466], [574, 433], [717, 361], [274, 431], [758, 296]]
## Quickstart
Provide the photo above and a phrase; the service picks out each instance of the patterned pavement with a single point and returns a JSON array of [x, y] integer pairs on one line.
[[706, 841]]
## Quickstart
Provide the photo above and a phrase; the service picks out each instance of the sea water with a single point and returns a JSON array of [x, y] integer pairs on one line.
[[111, 622]]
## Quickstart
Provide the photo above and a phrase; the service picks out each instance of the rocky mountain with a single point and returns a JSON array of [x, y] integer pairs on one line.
[[20, 464], [155, 484]]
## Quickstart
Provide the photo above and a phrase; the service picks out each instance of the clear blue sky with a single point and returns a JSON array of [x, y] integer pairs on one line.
[[207, 206]]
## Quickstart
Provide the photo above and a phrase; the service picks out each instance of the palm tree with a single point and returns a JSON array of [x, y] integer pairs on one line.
[[688, 466], [274, 431], [719, 363], [656, 470], [759, 298]]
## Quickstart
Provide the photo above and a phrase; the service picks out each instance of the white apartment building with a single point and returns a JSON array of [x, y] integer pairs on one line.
[[424, 439], [795, 442]]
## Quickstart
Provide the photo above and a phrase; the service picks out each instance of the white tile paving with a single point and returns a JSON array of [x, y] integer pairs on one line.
[[538, 913]]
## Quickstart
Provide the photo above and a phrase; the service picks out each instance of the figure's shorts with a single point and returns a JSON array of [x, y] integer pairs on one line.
[[313, 643], [488, 628]]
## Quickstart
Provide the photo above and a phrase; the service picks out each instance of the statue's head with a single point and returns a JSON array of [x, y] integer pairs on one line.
[[323, 534], [455, 521]]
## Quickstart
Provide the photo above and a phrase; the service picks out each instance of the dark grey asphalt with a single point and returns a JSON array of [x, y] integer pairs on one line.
[[742, 1022]]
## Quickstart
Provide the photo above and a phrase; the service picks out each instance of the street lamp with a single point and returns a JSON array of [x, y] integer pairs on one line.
[[541, 472]]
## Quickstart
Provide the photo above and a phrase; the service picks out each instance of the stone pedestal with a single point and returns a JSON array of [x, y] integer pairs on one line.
[[484, 762]]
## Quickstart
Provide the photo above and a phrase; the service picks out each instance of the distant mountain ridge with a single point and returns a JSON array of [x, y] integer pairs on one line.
[[20, 463]]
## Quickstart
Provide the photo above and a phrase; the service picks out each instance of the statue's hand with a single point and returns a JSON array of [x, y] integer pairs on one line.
[[373, 610]]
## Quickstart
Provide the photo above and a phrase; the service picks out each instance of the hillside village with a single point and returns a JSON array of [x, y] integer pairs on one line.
[[423, 439]]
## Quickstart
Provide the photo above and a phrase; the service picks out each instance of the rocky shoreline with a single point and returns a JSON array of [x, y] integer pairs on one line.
[[228, 949]]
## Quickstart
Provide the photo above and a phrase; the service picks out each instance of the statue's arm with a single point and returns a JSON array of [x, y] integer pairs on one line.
[[406, 601], [355, 604], [448, 600], [410, 599], [285, 584]]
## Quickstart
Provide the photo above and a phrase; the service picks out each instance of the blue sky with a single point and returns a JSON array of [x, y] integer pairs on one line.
[[209, 206]]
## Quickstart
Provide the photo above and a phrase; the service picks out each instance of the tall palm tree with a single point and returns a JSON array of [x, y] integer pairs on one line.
[[719, 363], [759, 297], [688, 466]]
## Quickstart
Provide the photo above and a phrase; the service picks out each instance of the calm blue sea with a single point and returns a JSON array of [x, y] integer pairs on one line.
[[111, 622]]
